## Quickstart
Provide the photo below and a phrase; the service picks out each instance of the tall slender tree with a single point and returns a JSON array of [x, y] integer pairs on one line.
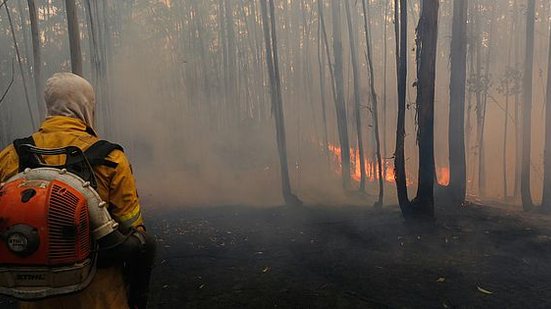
[[74, 37], [340, 105], [427, 34], [356, 81], [374, 108], [546, 203], [526, 194], [37, 58], [321, 64], [401, 28], [270, 36], [456, 132]]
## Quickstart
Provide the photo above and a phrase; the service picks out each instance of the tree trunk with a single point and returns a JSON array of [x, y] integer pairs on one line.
[[385, 72], [374, 111], [401, 28], [37, 62], [527, 108], [321, 63], [277, 103], [546, 203], [427, 33], [356, 81], [456, 134], [340, 106], [74, 37]]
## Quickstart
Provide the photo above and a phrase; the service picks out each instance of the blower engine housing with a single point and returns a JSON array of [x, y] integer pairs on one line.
[[49, 221]]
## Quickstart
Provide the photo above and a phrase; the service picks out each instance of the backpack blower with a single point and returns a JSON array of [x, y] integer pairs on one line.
[[54, 228]]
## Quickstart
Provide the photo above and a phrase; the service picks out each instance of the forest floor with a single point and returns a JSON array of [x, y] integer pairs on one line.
[[349, 257]]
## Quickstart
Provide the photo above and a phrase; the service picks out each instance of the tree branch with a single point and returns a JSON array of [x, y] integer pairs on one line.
[[11, 81]]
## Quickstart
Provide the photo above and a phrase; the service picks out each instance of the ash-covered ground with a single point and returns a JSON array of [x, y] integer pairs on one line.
[[350, 257]]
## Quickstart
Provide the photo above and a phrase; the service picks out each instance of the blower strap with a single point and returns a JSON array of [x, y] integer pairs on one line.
[[95, 154], [25, 159], [98, 152]]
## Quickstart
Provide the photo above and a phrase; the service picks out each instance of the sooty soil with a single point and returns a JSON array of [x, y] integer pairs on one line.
[[349, 257]]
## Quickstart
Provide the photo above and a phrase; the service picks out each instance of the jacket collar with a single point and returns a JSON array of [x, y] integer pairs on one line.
[[65, 124]]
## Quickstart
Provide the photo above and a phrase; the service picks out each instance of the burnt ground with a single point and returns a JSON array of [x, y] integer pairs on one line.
[[349, 257]]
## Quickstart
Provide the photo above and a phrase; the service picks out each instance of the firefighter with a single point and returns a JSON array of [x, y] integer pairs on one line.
[[70, 103]]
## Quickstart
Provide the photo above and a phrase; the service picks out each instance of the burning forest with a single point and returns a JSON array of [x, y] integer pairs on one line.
[[287, 153]]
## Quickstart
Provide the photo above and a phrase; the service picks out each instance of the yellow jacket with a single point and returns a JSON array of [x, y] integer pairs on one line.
[[116, 185]]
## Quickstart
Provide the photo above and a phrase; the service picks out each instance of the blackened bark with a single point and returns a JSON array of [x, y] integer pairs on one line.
[[340, 106], [456, 134], [401, 28], [321, 64], [356, 81], [268, 23], [546, 204], [526, 195], [427, 33], [375, 107]]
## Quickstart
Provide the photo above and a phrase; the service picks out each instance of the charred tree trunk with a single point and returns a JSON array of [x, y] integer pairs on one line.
[[401, 28], [340, 106], [546, 204], [356, 81], [327, 50], [456, 137], [385, 72], [374, 110], [270, 37], [427, 33], [74, 37], [527, 108], [37, 62], [321, 64]]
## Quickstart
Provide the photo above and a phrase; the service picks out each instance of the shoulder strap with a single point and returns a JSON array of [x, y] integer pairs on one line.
[[98, 152], [25, 159]]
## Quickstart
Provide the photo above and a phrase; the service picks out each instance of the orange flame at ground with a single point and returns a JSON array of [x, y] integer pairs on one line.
[[443, 176], [371, 167]]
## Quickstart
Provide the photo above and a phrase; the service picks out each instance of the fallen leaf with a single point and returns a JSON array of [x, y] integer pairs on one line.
[[481, 290]]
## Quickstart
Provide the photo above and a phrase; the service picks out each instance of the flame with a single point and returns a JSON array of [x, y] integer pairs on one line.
[[443, 176], [371, 167]]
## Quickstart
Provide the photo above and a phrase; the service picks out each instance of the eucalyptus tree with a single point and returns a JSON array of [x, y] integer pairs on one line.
[[270, 38], [74, 37], [374, 108], [526, 195], [357, 98], [342, 119], [456, 132]]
